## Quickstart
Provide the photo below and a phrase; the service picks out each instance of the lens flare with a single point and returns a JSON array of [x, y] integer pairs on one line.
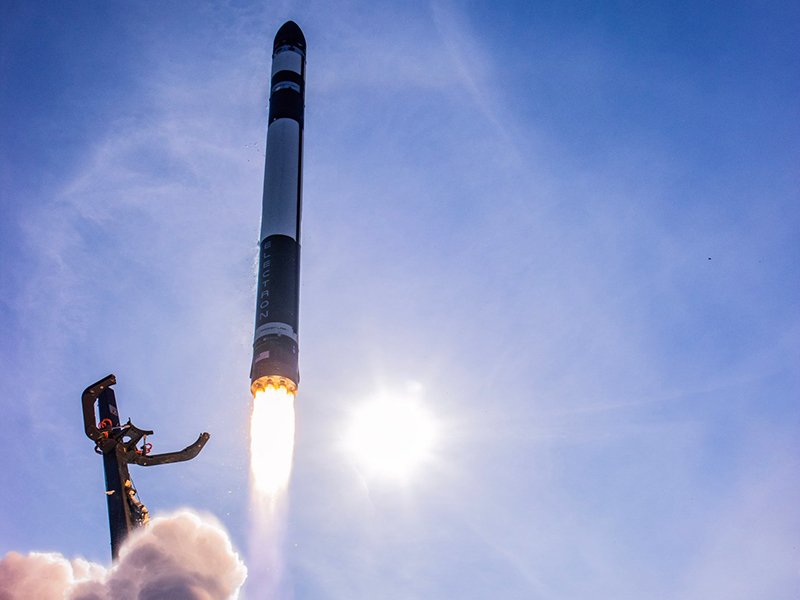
[[272, 441], [390, 438]]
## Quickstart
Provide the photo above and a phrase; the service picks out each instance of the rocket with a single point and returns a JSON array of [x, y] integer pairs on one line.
[[275, 344]]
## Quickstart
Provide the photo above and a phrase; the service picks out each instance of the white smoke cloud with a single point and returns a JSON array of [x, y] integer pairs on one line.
[[181, 557]]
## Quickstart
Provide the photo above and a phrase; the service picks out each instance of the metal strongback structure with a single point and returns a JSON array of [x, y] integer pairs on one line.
[[119, 446]]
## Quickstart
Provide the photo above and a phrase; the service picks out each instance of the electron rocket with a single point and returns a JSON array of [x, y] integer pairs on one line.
[[275, 345]]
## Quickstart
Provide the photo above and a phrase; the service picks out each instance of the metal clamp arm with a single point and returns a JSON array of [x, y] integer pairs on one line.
[[188, 453], [88, 399]]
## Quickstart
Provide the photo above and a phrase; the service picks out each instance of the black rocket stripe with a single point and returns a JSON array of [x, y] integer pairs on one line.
[[288, 76], [286, 104]]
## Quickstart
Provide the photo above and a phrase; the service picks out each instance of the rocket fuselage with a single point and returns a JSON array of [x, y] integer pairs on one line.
[[275, 346]]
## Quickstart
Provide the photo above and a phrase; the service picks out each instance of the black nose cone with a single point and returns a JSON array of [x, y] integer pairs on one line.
[[290, 35]]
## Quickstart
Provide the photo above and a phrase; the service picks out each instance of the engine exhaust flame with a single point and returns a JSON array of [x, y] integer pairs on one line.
[[271, 442], [271, 452]]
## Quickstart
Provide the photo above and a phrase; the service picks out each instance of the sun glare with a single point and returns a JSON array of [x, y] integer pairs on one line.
[[272, 441], [390, 438]]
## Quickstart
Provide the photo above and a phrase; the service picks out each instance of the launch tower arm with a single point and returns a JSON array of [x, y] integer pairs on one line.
[[120, 446], [188, 453], [88, 400]]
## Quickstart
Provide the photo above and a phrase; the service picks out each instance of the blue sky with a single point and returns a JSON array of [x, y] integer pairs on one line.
[[569, 228]]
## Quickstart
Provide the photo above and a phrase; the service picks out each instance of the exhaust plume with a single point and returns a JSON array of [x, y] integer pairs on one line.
[[181, 557], [271, 442], [271, 453]]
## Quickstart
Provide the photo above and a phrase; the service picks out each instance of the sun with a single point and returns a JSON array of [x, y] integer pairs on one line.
[[391, 438]]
